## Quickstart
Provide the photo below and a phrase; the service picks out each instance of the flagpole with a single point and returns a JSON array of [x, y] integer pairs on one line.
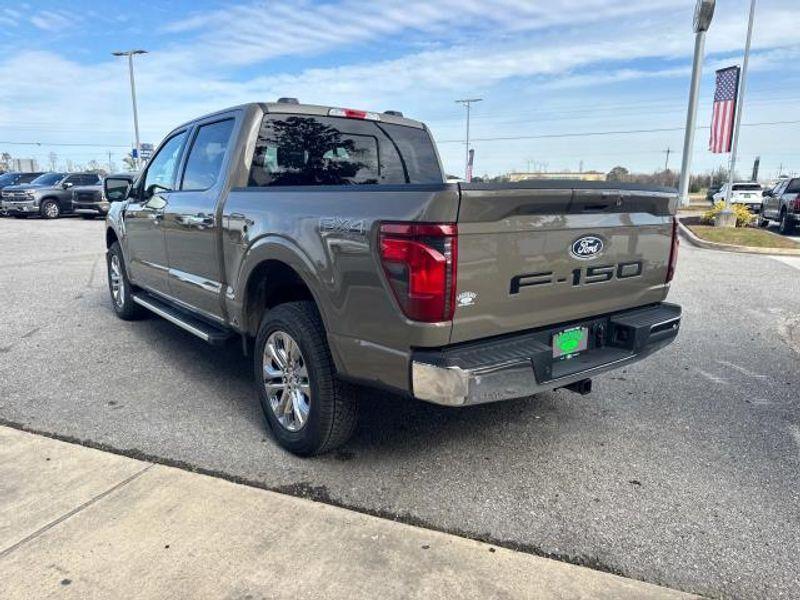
[[739, 105]]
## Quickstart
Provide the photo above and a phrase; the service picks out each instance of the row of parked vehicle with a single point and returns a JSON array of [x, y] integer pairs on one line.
[[51, 195], [779, 202]]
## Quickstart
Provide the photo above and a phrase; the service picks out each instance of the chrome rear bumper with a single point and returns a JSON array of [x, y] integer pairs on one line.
[[522, 365]]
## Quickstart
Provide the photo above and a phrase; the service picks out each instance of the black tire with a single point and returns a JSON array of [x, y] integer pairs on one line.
[[333, 406], [50, 209], [786, 226], [762, 222], [123, 304]]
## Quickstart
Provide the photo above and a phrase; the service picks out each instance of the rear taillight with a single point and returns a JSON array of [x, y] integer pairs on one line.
[[673, 252], [419, 260], [794, 205]]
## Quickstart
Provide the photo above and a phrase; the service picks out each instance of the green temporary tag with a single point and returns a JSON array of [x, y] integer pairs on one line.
[[570, 341]]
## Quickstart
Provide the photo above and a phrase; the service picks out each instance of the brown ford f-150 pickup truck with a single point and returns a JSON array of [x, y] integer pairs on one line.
[[328, 240]]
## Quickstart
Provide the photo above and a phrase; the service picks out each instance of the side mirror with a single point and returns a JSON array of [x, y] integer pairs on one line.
[[766, 193], [116, 189], [66, 185]]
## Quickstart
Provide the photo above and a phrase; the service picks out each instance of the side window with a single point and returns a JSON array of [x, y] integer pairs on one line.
[[793, 187], [161, 170], [91, 179], [204, 165], [74, 179]]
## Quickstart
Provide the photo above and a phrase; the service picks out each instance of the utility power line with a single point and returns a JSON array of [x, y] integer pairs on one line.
[[74, 144], [601, 133], [622, 110]]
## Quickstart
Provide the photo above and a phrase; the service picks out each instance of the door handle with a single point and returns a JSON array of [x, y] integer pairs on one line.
[[240, 217], [200, 220]]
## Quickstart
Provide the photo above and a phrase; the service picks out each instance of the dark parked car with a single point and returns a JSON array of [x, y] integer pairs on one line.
[[15, 178], [49, 195], [782, 204], [89, 201], [712, 190]]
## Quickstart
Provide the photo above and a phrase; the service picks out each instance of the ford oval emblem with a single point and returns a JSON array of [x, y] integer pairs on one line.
[[588, 246]]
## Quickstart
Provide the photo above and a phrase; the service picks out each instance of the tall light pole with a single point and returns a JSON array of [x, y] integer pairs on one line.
[[703, 13], [740, 104], [129, 54], [467, 102]]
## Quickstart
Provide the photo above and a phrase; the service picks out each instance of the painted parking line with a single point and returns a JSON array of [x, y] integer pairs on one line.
[[792, 261], [741, 370], [712, 378]]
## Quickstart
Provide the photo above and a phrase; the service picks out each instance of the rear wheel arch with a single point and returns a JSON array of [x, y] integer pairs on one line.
[[270, 283]]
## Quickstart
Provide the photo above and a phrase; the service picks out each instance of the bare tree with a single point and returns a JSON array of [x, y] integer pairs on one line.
[[130, 164]]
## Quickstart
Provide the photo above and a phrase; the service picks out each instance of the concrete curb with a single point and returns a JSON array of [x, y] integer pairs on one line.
[[80, 523], [701, 243]]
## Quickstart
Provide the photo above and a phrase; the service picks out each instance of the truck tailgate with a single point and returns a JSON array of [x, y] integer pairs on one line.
[[542, 253]]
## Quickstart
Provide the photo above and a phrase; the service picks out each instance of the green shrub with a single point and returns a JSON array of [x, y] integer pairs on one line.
[[743, 216]]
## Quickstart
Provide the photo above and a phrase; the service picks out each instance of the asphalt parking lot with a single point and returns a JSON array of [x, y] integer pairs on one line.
[[682, 470]]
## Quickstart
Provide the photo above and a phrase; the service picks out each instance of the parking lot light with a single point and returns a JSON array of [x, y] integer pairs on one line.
[[129, 54], [703, 13]]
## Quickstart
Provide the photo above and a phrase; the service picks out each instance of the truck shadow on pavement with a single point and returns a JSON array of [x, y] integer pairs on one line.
[[388, 424]]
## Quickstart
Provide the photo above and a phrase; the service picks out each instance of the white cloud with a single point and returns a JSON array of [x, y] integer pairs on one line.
[[52, 20], [253, 33], [521, 55]]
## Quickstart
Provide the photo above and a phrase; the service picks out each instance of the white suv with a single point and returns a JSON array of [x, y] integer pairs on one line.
[[745, 192]]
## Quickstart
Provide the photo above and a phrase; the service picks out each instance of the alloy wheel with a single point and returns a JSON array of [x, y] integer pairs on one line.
[[286, 381], [117, 282]]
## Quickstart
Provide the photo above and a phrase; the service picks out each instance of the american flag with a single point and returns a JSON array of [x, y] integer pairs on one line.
[[724, 110]]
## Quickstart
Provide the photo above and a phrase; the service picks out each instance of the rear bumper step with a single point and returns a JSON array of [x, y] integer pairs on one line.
[[522, 364], [202, 329]]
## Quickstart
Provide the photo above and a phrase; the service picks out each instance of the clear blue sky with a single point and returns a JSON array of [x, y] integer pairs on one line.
[[543, 67]]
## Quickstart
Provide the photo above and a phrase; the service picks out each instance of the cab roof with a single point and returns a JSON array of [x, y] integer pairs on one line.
[[287, 107]]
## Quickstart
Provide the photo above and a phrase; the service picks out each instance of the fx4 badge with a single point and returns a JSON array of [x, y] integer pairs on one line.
[[342, 225], [586, 247]]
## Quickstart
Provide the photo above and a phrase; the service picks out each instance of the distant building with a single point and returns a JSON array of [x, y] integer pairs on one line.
[[24, 165], [582, 176]]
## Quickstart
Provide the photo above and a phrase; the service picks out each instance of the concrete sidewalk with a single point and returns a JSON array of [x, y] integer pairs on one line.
[[81, 523]]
